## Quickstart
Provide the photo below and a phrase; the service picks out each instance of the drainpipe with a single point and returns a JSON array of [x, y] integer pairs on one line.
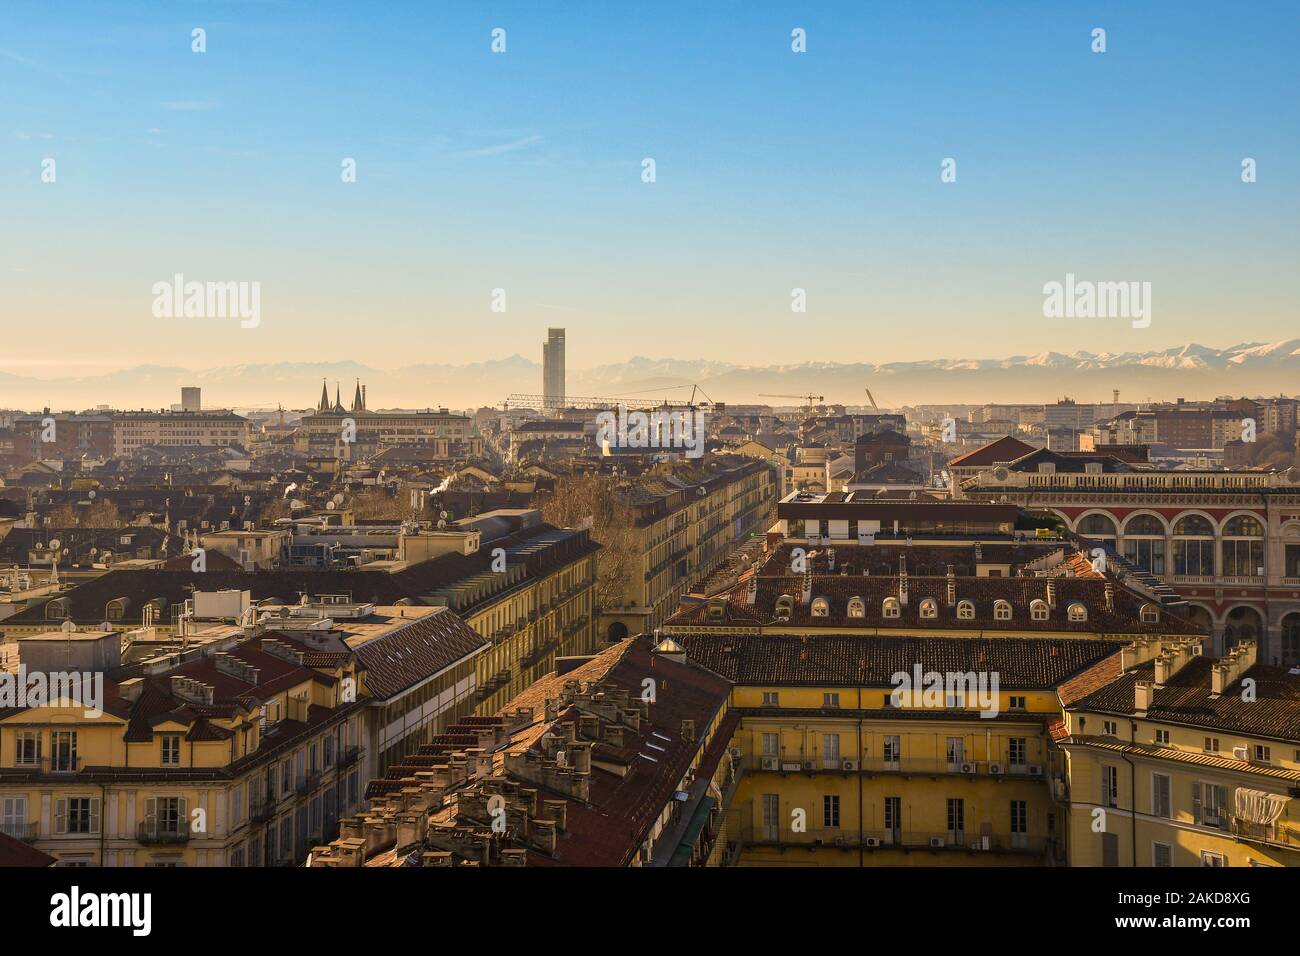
[[861, 856], [1132, 787]]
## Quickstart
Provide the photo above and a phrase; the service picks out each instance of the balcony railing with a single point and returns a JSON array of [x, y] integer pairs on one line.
[[263, 807], [348, 756], [904, 766], [178, 832], [26, 832], [945, 840], [307, 782], [1278, 834]]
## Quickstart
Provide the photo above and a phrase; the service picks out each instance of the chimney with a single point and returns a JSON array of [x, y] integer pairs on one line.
[[806, 597], [1110, 596], [688, 731], [902, 580], [1051, 593], [1142, 694], [1218, 680], [129, 690], [751, 590], [952, 586], [1164, 668]]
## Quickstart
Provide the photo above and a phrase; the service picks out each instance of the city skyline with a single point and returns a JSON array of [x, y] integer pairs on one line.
[[522, 173]]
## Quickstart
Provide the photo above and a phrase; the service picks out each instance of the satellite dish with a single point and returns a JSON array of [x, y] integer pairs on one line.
[[91, 496], [94, 551], [444, 515], [329, 505], [442, 523], [1000, 474], [55, 544], [337, 499]]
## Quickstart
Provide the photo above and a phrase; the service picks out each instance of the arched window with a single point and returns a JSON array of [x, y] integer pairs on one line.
[[965, 611], [1078, 612], [1144, 524], [820, 607], [890, 608], [1150, 614], [1144, 543], [1001, 611], [856, 607], [1194, 546], [929, 610], [1243, 547], [1038, 610], [1097, 526]]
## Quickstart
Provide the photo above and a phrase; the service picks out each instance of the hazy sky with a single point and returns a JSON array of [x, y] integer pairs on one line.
[[522, 171]]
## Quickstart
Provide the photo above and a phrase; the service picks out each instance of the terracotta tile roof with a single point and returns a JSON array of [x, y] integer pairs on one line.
[[1005, 448], [849, 661], [1186, 699], [407, 655], [16, 853]]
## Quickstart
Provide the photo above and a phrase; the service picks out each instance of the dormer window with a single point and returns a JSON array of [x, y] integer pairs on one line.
[[890, 608], [1038, 611], [1150, 614], [1001, 611], [856, 607], [1078, 613], [965, 611], [929, 610], [821, 607]]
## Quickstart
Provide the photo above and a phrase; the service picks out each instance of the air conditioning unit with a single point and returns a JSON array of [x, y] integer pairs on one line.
[[771, 763], [995, 768], [791, 767], [849, 765], [937, 842], [809, 764], [1240, 753], [968, 768], [871, 841], [1035, 770]]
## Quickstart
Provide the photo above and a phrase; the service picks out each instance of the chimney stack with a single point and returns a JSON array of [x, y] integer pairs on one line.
[[1142, 696], [952, 586]]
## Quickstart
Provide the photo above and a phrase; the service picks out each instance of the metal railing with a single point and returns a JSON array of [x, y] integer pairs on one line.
[[845, 837], [940, 766], [26, 832], [159, 832]]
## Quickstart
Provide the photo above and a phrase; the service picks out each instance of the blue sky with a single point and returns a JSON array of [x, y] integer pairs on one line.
[[522, 171]]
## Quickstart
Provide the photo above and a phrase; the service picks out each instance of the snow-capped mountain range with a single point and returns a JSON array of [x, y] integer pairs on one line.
[[1191, 371]]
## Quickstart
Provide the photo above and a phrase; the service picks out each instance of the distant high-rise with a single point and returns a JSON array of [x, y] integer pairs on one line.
[[191, 400], [553, 369]]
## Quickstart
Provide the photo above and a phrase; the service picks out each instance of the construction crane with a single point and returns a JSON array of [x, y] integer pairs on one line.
[[543, 402], [807, 399], [871, 398]]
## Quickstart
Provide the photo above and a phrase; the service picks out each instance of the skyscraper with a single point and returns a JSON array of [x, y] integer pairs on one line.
[[553, 369]]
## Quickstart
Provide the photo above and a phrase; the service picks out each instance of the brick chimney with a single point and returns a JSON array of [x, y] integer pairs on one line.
[[952, 587], [1142, 695]]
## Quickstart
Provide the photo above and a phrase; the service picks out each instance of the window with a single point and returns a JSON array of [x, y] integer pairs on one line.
[[1243, 547], [857, 608], [13, 817], [1017, 751], [929, 610], [1263, 754], [1211, 745], [831, 750], [890, 608], [956, 820], [891, 751], [1001, 611], [1162, 854], [1109, 786], [76, 815], [1077, 613], [771, 698], [1160, 801], [1162, 736], [1109, 728], [771, 816], [165, 816], [1097, 526], [63, 750], [1209, 805], [771, 745], [1016, 703], [1019, 823], [831, 700], [1212, 859], [1038, 610], [893, 820], [820, 607], [956, 751], [171, 750], [965, 611], [1144, 543], [831, 811], [28, 752]]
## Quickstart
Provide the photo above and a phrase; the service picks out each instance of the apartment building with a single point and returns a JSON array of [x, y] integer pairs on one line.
[[172, 430], [61, 435], [685, 518], [1174, 758], [1227, 541], [333, 429]]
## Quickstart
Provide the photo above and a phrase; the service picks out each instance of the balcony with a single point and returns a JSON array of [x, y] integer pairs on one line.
[[25, 832], [1254, 580], [307, 782], [164, 832], [1191, 579], [262, 807], [348, 756], [903, 766], [1273, 834], [959, 841]]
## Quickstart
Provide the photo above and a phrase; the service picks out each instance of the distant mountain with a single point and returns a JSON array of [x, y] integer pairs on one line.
[[1192, 371]]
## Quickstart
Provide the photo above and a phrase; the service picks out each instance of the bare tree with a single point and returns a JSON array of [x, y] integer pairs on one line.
[[597, 498]]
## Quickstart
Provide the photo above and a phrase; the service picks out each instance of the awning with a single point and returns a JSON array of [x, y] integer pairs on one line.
[[1258, 806], [686, 848]]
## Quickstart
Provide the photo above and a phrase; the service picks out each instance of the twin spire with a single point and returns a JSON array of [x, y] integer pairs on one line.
[[325, 407]]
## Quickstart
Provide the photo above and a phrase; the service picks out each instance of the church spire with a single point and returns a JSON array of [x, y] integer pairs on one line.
[[358, 403], [338, 401], [324, 398]]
